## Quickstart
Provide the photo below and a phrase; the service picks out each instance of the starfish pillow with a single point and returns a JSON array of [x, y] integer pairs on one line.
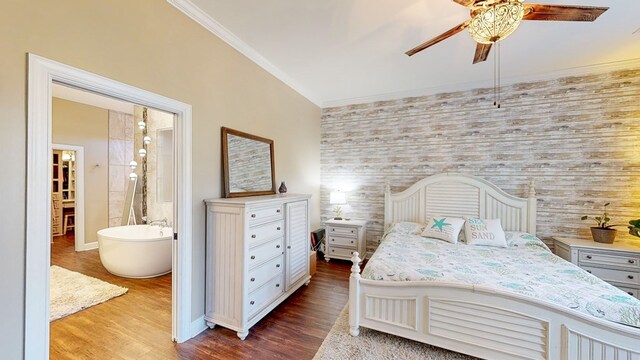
[[443, 228]]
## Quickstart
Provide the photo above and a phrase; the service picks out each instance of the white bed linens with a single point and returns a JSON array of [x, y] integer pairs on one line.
[[526, 267]]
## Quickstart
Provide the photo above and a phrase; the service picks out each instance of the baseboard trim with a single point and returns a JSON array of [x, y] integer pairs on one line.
[[87, 246], [197, 326]]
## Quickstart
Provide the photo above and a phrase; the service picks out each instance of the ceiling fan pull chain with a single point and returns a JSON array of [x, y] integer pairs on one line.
[[499, 89], [495, 77]]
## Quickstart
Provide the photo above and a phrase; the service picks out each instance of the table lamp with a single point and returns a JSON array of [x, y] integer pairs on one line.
[[338, 198]]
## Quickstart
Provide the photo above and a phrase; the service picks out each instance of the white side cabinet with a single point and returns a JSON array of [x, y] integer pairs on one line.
[[257, 255], [343, 238], [617, 263]]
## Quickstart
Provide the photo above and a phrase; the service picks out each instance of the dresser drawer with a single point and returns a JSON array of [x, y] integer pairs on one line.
[[342, 241], [340, 252], [620, 260], [263, 273], [343, 231], [264, 295], [630, 291], [260, 233], [617, 276], [267, 213], [264, 252]]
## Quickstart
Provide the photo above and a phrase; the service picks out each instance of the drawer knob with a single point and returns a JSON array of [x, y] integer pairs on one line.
[[253, 279], [278, 228], [333, 239], [332, 250], [333, 229], [252, 302], [352, 231], [352, 253], [277, 285], [277, 265], [278, 211], [352, 241], [288, 246], [588, 256], [253, 215], [632, 261], [253, 236], [253, 257], [630, 277], [277, 246]]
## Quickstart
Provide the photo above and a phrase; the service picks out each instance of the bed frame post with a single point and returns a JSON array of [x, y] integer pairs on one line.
[[387, 205], [532, 204], [354, 296]]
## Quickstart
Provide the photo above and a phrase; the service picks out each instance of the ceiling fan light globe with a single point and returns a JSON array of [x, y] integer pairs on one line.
[[494, 23]]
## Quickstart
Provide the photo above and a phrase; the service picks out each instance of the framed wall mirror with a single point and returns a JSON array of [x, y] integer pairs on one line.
[[247, 164]]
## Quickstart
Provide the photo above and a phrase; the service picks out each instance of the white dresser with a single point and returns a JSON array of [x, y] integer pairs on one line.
[[257, 255], [617, 263], [344, 237]]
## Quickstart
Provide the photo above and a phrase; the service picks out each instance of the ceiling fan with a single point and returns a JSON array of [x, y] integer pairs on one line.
[[494, 20]]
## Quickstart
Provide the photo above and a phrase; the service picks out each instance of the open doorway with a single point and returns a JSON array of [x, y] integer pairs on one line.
[[42, 74]]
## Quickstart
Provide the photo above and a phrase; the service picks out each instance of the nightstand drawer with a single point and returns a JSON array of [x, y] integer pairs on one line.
[[341, 252], [630, 291], [628, 261], [261, 233], [343, 231], [617, 276], [342, 241]]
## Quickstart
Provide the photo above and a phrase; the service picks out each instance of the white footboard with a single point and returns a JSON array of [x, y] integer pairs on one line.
[[487, 324]]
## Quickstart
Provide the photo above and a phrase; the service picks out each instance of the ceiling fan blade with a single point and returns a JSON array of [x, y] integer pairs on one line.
[[482, 52], [562, 12], [465, 3], [438, 38]]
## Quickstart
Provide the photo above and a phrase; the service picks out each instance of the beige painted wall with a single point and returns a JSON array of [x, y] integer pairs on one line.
[[87, 126], [150, 45]]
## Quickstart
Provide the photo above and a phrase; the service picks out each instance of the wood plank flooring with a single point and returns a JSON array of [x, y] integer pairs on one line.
[[137, 325]]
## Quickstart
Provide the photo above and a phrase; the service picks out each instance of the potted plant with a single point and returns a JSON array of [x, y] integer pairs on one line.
[[603, 233]]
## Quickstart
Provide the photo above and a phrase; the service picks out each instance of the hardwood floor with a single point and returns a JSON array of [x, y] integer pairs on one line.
[[137, 325]]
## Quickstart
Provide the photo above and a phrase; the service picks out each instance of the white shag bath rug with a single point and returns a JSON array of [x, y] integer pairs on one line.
[[372, 344], [70, 292]]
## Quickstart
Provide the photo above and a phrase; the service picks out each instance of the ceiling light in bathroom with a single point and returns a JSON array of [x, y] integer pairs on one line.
[[133, 164], [147, 139], [141, 124], [133, 176], [142, 152]]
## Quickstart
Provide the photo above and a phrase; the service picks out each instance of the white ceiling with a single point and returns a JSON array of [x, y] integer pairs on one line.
[[337, 52], [93, 99]]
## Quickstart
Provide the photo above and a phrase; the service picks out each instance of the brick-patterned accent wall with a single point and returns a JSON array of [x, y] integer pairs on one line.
[[577, 137]]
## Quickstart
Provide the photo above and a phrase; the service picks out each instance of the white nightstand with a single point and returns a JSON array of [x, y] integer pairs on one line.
[[617, 263], [343, 238]]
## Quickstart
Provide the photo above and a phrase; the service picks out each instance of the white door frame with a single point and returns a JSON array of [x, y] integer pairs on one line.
[[78, 218], [42, 73]]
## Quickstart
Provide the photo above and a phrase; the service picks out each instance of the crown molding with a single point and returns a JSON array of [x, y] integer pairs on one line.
[[205, 20], [465, 86]]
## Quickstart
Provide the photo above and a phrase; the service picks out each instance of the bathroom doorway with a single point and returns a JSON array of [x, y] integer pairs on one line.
[[42, 74], [67, 194]]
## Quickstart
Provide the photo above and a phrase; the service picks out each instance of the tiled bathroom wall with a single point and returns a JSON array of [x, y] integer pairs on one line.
[[120, 154]]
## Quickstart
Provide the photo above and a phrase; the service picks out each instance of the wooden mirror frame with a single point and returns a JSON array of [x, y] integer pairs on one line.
[[225, 164]]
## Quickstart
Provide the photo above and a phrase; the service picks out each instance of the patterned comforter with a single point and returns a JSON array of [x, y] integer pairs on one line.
[[526, 267]]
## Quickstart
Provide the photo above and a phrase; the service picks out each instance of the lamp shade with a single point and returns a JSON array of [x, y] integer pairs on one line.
[[337, 198]]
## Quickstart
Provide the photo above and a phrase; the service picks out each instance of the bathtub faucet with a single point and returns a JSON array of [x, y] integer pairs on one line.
[[161, 223]]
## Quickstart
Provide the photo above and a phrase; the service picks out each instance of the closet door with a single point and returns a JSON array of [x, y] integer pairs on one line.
[[297, 237]]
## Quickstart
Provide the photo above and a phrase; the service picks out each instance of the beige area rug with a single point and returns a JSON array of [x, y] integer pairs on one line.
[[70, 292], [372, 344]]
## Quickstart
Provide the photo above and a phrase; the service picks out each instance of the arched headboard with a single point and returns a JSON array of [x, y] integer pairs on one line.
[[453, 194]]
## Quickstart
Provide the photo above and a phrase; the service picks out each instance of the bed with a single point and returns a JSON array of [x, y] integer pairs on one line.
[[471, 317]]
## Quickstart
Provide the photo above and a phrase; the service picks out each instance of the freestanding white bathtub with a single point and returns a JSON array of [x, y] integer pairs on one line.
[[136, 251]]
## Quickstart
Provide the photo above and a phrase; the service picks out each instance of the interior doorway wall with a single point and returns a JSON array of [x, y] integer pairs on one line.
[[42, 74]]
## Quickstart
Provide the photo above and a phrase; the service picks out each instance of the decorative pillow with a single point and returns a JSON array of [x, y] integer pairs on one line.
[[444, 228], [487, 232], [405, 228]]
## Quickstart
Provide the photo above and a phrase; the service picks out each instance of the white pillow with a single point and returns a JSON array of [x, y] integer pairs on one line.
[[444, 228], [487, 232]]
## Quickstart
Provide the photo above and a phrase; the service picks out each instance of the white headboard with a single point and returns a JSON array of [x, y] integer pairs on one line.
[[452, 194]]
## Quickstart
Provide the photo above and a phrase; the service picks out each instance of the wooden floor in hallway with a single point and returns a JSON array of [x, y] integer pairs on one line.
[[137, 325]]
